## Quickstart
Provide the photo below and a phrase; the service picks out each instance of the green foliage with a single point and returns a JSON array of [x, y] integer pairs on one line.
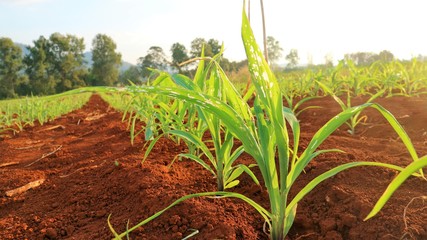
[[274, 49], [264, 135], [292, 58], [404, 78], [213, 82], [210, 47], [10, 65], [18, 113], [155, 59], [214, 46], [179, 55], [357, 118], [368, 58], [65, 54], [55, 64], [106, 60], [37, 68], [415, 166], [133, 74]]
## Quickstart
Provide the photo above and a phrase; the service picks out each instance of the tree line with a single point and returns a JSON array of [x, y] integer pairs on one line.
[[56, 64], [157, 58]]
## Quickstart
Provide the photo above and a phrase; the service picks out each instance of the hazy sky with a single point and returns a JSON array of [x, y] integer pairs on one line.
[[313, 27]]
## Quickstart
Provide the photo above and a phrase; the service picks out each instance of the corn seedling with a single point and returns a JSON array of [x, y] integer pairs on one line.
[[356, 119], [218, 86], [191, 122], [264, 135], [18, 113], [295, 106]]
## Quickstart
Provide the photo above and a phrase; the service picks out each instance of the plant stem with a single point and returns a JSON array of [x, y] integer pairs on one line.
[[264, 31]]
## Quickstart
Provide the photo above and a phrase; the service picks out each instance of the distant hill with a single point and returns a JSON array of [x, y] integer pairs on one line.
[[87, 58]]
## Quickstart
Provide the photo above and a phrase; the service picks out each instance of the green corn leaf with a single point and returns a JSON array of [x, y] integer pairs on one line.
[[233, 157], [116, 235], [150, 147], [264, 213], [321, 135], [249, 93], [305, 109], [197, 142], [163, 80], [396, 183], [265, 82], [238, 170], [233, 97], [228, 115], [249, 172], [302, 101], [185, 82], [376, 95], [294, 123], [200, 76], [225, 147], [330, 92], [313, 183], [289, 219], [270, 97], [199, 161], [231, 184], [398, 129], [148, 130]]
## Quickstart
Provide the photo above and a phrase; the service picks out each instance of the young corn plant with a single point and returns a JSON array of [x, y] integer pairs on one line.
[[191, 124], [223, 158], [296, 105], [163, 114], [264, 135], [159, 113], [356, 119], [19, 113]]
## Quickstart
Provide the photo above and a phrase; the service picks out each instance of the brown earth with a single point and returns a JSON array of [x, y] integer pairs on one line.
[[91, 170]]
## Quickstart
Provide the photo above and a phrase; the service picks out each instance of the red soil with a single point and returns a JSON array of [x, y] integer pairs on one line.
[[83, 185]]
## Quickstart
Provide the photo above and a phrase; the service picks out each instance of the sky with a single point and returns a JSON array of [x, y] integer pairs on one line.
[[315, 28]]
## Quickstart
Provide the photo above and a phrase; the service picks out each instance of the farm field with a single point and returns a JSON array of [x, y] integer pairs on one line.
[[317, 153], [91, 170]]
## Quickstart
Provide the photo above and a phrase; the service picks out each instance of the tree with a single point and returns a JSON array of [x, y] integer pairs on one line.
[[155, 59], [197, 46], [386, 56], [10, 65], [362, 58], [329, 60], [55, 64], [214, 46], [132, 74], [274, 50], [367, 58], [179, 55], [106, 61], [37, 68], [211, 47], [65, 56], [292, 58]]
